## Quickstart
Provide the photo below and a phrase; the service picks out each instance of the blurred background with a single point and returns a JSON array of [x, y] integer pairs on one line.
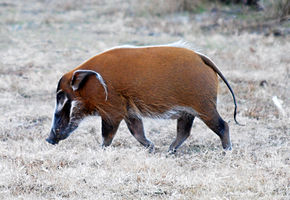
[[249, 40], [42, 39]]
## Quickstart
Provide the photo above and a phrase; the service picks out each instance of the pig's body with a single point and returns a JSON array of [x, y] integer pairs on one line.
[[157, 82]]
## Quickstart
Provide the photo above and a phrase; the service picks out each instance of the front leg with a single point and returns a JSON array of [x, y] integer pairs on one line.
[[109, 129]]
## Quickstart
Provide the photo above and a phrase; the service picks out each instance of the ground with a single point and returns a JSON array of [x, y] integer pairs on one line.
[[41, 40]]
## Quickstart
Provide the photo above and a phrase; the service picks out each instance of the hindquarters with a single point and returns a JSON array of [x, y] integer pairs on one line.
[[208, 113]]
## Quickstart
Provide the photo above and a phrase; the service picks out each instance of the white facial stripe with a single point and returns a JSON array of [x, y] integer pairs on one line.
[[58, 92], [57, 108], [73, 108]]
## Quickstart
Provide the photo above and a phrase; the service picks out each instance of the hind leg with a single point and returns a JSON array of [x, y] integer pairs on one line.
[[135, 126], [220, 127], [184, 124]]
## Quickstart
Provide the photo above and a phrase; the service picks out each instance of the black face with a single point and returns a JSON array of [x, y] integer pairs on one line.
[[66, 118], [69, 109]]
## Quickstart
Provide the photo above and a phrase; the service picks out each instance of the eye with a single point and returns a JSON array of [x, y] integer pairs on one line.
[[62, 102], [60, 96]]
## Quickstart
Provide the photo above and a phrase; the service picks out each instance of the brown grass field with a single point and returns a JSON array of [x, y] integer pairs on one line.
[[41, 40]]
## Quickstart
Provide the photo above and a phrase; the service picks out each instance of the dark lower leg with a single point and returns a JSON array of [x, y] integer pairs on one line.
[[135, 126], [184, 124], [221, 128], [109, 130]]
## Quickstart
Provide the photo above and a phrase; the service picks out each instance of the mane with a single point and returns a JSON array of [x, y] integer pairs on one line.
[[178, 44], [182, 44]]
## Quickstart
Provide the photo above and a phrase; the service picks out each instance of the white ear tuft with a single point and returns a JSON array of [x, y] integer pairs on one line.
[[79, 77]]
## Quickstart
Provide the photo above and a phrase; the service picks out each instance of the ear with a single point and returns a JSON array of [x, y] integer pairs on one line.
[[80, 76]]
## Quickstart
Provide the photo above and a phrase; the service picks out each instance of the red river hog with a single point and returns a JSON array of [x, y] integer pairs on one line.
[[128, 83]]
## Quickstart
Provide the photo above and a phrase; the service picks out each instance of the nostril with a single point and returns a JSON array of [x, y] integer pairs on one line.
[[50, 141]]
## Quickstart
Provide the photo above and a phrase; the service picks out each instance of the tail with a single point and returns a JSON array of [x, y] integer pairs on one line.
[[210, 63]]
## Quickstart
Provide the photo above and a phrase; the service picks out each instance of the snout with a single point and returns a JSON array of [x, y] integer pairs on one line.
[[52, 139]]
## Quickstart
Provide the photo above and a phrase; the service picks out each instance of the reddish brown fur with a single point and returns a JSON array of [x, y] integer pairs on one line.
[[153, 79], [149, 81]]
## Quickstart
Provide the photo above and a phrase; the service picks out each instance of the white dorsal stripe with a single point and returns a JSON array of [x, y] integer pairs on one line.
[[180, 44]]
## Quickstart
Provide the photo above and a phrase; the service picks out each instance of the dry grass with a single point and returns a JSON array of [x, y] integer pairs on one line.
[[278, 8], [41, 40]]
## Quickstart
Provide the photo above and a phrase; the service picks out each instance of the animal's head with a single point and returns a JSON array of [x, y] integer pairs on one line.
[[71, 103]]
